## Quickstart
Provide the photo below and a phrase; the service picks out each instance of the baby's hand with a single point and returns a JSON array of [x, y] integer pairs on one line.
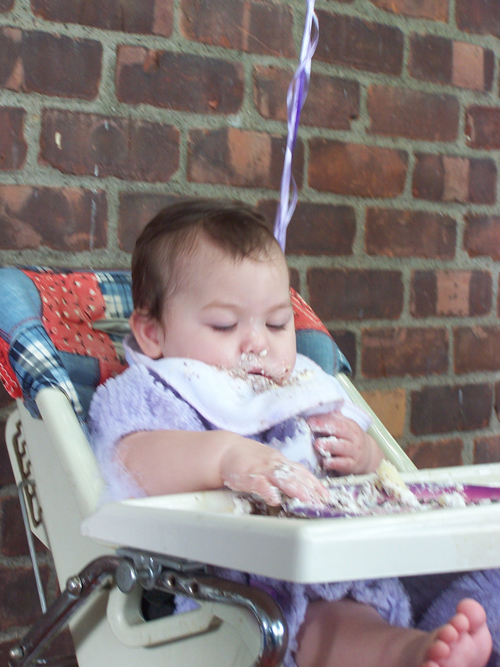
[[343, 445], [262, 470]]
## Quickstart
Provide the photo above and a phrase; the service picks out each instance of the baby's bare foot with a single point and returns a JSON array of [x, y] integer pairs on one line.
[[463, 642]]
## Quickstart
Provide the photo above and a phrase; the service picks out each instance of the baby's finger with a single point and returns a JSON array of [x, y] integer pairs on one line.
[[256, 484], [297, 482], [329, 446], [344, 465]]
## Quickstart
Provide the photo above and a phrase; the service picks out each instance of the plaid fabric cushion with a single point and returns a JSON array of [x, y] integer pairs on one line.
[[64, 328]]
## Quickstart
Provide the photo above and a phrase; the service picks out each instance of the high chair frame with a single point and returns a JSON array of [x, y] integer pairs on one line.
[[102, 576]]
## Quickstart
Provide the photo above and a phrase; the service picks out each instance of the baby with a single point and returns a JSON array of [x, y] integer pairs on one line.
[[212, 307]]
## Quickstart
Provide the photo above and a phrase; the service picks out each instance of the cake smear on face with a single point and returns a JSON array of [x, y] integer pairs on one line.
[[260, 376]]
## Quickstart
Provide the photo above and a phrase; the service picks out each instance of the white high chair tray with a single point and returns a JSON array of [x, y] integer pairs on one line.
[[204, 527]]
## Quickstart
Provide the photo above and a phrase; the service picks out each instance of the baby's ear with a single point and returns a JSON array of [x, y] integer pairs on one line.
[[147, 334]]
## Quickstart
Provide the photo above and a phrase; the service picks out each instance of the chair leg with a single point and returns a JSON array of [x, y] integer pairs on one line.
[[96, 575]]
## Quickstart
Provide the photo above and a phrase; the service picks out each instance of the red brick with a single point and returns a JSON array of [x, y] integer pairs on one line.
[[6, 5], [19, 604], [436, 10], [349, 41], [482, 236], [22, 68], [431, 58], [355, 169], [13, 534], [331, 102], [450, 293], [444, 409], [355, 294], [471, 66], [413, 114], [183, 82], [12, 143], [452, 178], [477, 349], [147, 16], [497, 400], [487, 449], [79, 143], [254, 27], [436, 453], [478, 16], [6, 474], [483, 127], [400, 352], [403, 233], [240, 157], [136, 210], [346, 341], [317, 229], [442, 60], [68, 219]]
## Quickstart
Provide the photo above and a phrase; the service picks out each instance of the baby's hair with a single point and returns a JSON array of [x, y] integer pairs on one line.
[[234, 227]]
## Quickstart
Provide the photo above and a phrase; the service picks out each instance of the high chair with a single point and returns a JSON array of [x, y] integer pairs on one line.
[[60, 336]]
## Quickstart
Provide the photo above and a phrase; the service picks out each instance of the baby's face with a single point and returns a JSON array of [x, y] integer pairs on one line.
[[234, 314]]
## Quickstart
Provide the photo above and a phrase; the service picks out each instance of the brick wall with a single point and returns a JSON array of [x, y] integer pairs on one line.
[[109, 109]]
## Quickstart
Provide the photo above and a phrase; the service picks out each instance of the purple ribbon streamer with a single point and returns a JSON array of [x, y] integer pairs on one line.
[[297, 93]]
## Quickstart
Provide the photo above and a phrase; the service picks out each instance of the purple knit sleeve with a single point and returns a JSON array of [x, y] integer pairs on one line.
[[133, 401]]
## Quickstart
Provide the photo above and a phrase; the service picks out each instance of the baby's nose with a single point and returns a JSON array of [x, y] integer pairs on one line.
[[254, 342]]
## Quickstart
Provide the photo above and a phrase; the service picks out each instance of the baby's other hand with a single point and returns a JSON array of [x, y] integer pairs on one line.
[[343, 445], [261, 470]]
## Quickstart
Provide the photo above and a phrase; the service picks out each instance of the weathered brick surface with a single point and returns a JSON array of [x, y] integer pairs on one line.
[[80, 143], [331, 102], [136, 210], [184, 82], [436, 453], [403, 233], [355, 169], [478, 16], [12, 143], [431, 58], [6, 474], [441, 60], [454, 179], [13, 539], [241, 24], [497, 399], [351, 294], [399, 352], [487, 449], [147, 16], [22, 68], [436, 10], [483, 127], [69, 219], [451, 293], [482, 236], [390, 408], [477, 349], [346, 340], [317, 229], [349, 41], [240, 157], [19, 600], [444, 409], [294, 279], [6, 5], [413, 114]]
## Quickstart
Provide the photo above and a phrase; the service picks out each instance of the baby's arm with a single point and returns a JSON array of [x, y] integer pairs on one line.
[[344, 446], [173, 461]]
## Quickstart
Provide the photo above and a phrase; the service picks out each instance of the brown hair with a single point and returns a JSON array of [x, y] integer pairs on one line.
[[234, 227]]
